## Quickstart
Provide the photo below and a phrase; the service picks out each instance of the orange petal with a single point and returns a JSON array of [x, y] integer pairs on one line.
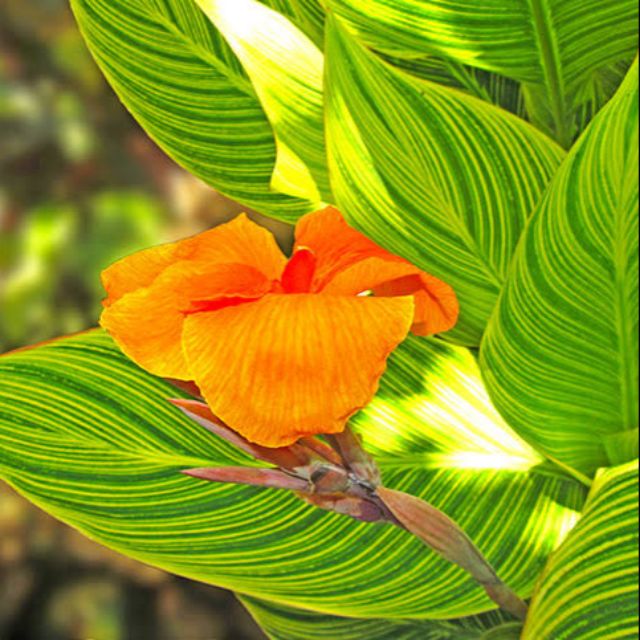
[[299, 273], [335, 244], [147, 324], [289, 366], [238, 241], [436, 304], [348, 263]]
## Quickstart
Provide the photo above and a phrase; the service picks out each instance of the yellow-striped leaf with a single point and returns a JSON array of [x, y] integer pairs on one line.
[[179, 78], [589, 588], [506, 631], [560, 356], [286, 623], [89, 437], [439, 177], [285, 68], [499, 90], [307, 15], [562, 50]]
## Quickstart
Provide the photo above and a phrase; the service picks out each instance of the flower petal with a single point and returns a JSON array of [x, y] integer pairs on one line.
[[335, 244], [288, 366], [238, 241], [348, 263], [147, 323], [436, 304]]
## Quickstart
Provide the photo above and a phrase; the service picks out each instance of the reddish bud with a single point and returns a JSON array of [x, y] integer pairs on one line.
[[444, 536], [273, 478], [355, 457], [358, 508], [290, 457]]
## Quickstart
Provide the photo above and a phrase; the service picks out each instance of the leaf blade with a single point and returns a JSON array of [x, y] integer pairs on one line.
[[90, 438], [560, 353], [452, 199], [286, 623], [181, 81], [554, 48], [589, 588], [285, 68]]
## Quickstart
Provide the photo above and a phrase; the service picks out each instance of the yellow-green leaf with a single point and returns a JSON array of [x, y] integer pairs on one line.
[[176, 74], [432, 174], [589, 588], [286, 623], [558, 48], [91, 438], [560, 356], [285, 68]]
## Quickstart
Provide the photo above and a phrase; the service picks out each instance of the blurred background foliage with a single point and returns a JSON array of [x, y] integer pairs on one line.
[[80, 186]]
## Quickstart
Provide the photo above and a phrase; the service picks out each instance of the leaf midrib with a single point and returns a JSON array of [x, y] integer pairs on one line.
[[623, 319]]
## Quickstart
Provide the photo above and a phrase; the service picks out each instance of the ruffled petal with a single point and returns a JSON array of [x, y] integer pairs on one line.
[[238, 241], [436, 305], [348, 263], [147, 323], [335, 244], [287, 366]]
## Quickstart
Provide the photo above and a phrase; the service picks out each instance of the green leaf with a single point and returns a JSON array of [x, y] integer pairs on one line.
[[286, 623], [307, 15], [90, 438], [555, 47], [560, 356], [506, 631], [441, 178], [491, 87], [285, 68], [185, 86], [589, 588]]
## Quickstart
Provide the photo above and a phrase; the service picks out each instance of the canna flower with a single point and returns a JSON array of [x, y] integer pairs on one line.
[[279, 348]]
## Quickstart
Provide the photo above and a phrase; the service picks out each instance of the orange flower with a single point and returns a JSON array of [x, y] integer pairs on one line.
[[280, 348]]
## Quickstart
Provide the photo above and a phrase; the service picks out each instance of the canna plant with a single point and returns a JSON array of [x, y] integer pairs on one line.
[[448, 357]]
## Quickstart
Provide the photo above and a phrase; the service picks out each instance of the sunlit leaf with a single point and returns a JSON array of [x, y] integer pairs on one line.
[[307, 15], [179, 78], [560, 356], [285, 68], [589, 589], [555, 47], [439, 177], [286, 623], [499, 90], [90, 438]]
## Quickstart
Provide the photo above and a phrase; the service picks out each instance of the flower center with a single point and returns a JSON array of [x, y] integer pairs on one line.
[[298, 273]]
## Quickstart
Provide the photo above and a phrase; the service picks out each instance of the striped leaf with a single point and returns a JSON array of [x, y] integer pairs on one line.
[[432, 174], [90, 438], [491, 87], [286, 623], [285, 68], [589, 588], [307, 15], [560, 356], [182, 82], [506, 631], [558, 48]]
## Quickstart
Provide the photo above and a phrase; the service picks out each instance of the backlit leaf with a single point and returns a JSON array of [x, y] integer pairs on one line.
[[557, 48], [589, 588], [432, 174], [285, 68], [182, 82], [560, 356], [90, 438], [285, 623]]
